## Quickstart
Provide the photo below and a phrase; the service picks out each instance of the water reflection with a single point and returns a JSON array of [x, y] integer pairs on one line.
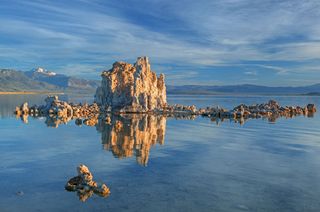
[[132, 135], [54, 121]]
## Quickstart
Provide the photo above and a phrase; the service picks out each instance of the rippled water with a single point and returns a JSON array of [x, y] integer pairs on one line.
[[163, 164]]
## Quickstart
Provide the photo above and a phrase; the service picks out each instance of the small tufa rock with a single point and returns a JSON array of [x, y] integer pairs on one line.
[[17, 111], [84, 185], [91, 121], [311, 108], [24, 108]]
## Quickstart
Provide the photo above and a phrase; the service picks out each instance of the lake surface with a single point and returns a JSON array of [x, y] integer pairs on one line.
[[163, 164]]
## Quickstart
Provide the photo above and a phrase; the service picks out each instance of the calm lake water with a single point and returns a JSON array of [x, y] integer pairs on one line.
[[163, 164]]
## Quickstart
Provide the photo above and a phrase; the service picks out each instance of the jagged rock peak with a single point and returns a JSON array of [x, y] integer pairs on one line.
[[132, 88]]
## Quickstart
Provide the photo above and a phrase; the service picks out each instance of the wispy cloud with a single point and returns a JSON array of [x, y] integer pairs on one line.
[[253, 73], [207, 37], [278, 70]]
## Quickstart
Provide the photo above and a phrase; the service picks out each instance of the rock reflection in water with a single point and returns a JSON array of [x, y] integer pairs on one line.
[[126, 135], [132, 135], [54, 121]]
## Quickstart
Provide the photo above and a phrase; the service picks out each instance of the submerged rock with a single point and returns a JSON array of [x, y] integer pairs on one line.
[[132, 88], [78, 122], [85, 186], [20, 193]]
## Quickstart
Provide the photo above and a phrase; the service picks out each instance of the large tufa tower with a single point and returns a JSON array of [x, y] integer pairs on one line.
[[132, 88]]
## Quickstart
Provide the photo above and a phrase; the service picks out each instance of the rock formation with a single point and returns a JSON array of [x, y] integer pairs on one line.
[[85, 186], [132, 88], [311, 108]]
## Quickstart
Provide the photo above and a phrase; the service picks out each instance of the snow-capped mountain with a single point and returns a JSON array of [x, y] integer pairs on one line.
[[61, 80], [43, 71]]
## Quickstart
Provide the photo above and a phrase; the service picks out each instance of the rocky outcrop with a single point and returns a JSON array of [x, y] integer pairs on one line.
[[85, 186], [23, 109], [271, 110], [57, 107], [132, 88], [311, 108]]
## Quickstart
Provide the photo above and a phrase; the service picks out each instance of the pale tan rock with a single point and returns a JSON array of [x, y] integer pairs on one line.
[[132, 88], [84, 185], [25, 108], [91, 121], [102, 190], [17, 111]]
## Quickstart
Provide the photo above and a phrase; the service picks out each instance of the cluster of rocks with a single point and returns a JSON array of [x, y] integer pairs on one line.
[[58, 112], [269, 109], [85, 186]]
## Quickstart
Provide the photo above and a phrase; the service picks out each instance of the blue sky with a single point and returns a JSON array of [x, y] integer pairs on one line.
[[208, 42]]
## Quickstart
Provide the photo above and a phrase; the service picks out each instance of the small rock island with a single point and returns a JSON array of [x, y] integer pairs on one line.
[[85, 186]]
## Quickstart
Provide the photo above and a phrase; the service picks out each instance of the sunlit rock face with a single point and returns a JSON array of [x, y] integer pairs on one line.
[[133, 135], [132, 88], [85, 186]]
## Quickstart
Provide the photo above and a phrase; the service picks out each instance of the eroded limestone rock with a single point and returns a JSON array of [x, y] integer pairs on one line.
[[132, 88], [85, 186]]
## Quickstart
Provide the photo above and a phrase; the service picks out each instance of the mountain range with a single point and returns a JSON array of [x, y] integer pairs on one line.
[[245, 89], [39, 79]]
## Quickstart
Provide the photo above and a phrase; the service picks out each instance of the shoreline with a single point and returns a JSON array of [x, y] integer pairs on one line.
[[28, 92]]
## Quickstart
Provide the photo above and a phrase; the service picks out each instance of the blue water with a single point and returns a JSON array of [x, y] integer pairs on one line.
[[199, 165]]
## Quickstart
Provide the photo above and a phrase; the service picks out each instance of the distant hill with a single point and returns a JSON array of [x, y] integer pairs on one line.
[[60, 80], [40, 79], [11, 80], [243, 89]]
